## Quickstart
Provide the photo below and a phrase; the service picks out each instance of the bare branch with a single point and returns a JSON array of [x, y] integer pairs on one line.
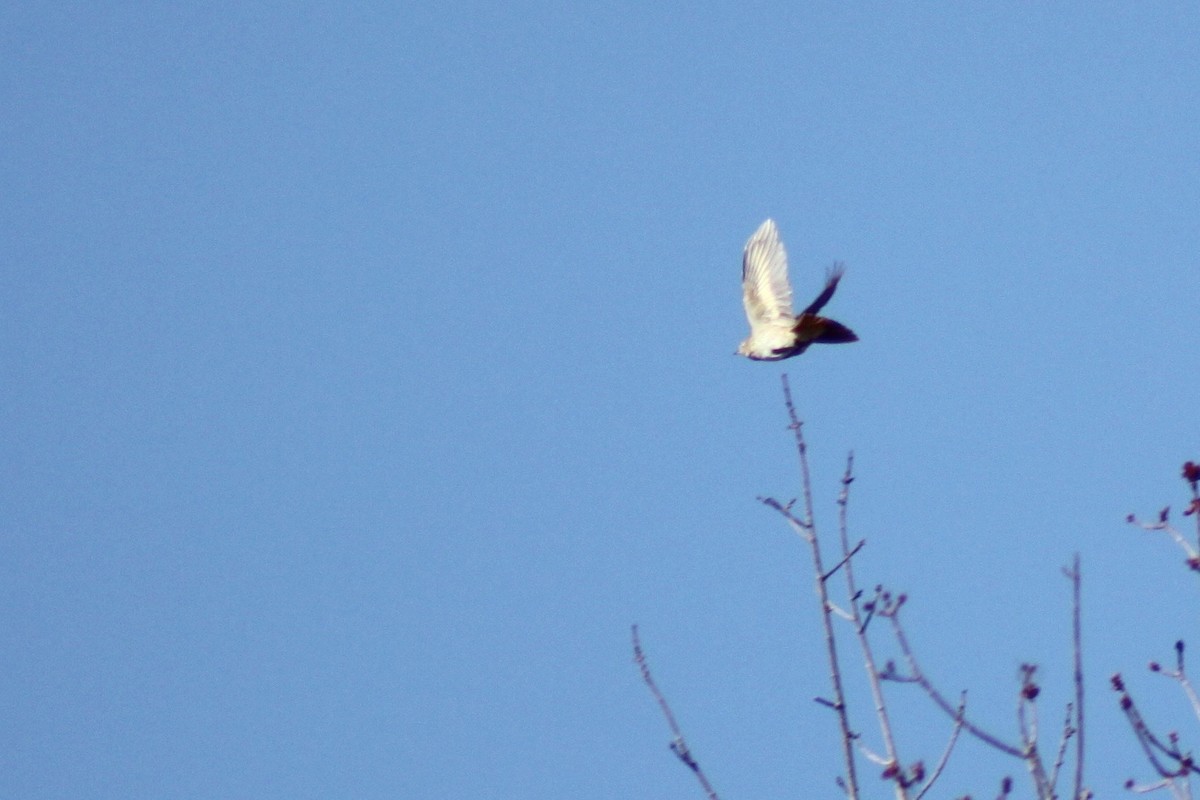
[[845, 559], [892, 612], [860, 628], [1191, 475], [941, 765], [806, 528], [678, 744], [1174, 765], [1179, 674], [798, 525], [1076, 577], [841, 612], [796, 426], [1152, 746], [1068, 732], [1193, 555], [873, 757], [1027, 699]]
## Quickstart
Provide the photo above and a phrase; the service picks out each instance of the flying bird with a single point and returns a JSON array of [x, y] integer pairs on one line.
[[775, 332]]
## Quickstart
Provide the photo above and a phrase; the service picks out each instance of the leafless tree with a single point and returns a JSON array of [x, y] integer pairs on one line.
[[858, 609], [1173, 764]]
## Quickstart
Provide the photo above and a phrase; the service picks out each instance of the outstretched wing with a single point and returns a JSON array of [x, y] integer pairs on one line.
[[831, 282], [766, 293]]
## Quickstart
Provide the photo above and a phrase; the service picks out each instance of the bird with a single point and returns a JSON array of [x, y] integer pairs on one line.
[[775, 332]]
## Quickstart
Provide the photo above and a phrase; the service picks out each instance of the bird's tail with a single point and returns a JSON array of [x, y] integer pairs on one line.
[[831, 332]]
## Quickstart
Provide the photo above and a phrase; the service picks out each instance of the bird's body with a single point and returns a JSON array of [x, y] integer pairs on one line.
[[775, 332]]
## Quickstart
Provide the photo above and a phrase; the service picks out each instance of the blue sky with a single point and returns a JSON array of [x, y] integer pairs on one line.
[[369, 370]]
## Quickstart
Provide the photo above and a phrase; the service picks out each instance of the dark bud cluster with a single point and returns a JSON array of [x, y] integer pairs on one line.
[[1191, 473]]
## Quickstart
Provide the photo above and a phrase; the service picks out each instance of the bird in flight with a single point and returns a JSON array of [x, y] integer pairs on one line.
[[775, 332]]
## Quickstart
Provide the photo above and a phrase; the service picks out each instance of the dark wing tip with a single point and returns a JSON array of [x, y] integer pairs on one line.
[[831, 282]]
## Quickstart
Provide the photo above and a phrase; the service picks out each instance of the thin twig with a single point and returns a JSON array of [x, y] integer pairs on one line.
[[1027, 698], [1076, 576], [1165, 783], [1191, 475], [1068, 732], [1179, 674], [918, 677], [1176, 773], [839, 696], [1193, 555], [872, 756], [678, 744], [796, 425], [845, 560], [1151, 745], [864, 642], [941, 765], [786, 510], [1191, 694]]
